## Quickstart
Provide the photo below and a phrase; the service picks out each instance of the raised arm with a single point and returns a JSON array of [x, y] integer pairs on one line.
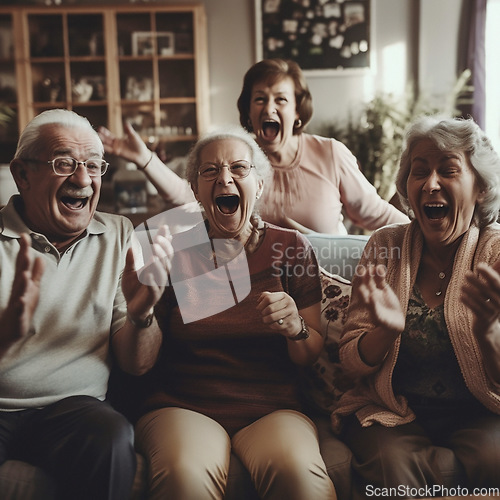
[[359, 197], [172, 188], [137, 343], [385, 309]]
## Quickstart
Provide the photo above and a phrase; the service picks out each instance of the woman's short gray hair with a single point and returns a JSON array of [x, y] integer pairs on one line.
[[30, 145], [259, 160], [456, 134]]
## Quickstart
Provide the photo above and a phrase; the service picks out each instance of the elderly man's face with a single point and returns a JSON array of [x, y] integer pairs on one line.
[[61, 208]]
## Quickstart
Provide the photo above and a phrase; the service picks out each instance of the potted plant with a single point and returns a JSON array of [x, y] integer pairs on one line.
[[375, 136]]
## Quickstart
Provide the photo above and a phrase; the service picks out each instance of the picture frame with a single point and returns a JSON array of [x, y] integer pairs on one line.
[[322, 36], [144, 43], [165, 42]]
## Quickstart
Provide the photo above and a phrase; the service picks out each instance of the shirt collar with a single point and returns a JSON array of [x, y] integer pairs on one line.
[[12, 224]]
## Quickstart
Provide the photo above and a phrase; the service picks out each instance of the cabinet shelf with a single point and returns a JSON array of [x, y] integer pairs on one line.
[[139, 63]]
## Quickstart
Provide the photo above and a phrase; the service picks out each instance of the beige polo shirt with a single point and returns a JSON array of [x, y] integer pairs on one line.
[[67, 351]]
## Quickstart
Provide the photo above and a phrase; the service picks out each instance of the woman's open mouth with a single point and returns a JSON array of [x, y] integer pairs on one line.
[[436, 211], [270, 129], [227, 203], [74, 203]]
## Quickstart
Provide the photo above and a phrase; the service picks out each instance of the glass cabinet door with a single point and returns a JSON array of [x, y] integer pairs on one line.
[[67, 64], [8, 90], [157, 78], [147, 64]]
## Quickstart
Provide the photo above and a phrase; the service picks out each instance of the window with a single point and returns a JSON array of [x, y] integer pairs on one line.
[[492, 71]]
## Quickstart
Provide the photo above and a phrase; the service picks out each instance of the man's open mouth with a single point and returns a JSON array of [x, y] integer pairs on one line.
[[270, 129], [436, 211], [74, 203], [227, 203]]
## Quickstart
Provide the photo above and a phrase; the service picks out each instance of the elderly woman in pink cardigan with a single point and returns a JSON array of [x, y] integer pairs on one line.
[[423, 333]]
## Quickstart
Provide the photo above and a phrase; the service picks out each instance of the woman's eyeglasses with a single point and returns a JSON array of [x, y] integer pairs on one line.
[[238, 169]]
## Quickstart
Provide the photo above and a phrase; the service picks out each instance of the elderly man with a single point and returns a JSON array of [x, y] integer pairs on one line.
[[70, 301]]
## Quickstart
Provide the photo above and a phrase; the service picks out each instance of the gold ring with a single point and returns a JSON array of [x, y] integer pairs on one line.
[[280, 321]]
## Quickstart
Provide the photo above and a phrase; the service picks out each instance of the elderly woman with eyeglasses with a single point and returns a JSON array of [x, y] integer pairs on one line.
[[423, 332], [227, 377]]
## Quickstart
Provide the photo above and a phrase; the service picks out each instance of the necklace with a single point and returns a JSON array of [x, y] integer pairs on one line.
[[442, 276]]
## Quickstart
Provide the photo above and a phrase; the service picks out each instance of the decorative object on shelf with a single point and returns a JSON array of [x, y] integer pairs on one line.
[[142, 43], [50, 89], [139, 88], [165, 42], [99, 85], [130, 190], [82, 90]]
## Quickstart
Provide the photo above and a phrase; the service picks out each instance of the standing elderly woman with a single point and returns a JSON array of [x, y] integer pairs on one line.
[[230, 381], [423, 333], [314, 178]]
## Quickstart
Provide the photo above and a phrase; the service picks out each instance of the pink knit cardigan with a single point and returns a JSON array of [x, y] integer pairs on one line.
[[399, 247]]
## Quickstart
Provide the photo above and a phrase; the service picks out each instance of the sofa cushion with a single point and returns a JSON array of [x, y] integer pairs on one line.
[[324, 382]]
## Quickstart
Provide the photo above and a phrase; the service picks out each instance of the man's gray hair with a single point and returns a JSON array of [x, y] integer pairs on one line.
[[29, 144]]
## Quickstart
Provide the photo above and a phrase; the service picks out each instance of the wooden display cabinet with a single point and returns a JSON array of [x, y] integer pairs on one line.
[[8, 90], [144, 64]]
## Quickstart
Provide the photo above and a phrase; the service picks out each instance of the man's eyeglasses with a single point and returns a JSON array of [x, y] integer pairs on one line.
[[238, 169], [66, 166]]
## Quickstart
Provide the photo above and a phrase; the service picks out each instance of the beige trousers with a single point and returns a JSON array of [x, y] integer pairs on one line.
[[188, 456]]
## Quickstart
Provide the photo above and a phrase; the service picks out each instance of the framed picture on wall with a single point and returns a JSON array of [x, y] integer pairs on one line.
[[320, 35]]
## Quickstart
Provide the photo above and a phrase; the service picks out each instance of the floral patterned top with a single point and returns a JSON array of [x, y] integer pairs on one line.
[[427, 365]]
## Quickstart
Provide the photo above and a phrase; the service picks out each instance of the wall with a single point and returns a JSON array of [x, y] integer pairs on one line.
[[399, 36], [438, 46], [231, 30], [407, 45]]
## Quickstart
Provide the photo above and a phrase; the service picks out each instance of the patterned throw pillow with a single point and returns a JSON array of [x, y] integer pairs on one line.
[[324, 381]]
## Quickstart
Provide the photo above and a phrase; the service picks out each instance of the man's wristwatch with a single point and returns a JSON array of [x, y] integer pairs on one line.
[[304, 332], [141, 323]]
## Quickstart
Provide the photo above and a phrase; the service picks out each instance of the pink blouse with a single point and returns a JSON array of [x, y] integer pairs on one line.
[[324, 179]]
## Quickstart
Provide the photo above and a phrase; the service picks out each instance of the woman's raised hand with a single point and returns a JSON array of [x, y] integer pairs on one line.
[[380, 298]]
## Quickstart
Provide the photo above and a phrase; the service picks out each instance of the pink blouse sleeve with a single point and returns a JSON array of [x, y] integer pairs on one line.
[[360, 199]]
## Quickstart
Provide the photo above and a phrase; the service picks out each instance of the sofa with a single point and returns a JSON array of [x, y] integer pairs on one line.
[[338, 255]]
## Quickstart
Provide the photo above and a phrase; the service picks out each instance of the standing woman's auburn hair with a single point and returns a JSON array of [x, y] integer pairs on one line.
[[271, 71]]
